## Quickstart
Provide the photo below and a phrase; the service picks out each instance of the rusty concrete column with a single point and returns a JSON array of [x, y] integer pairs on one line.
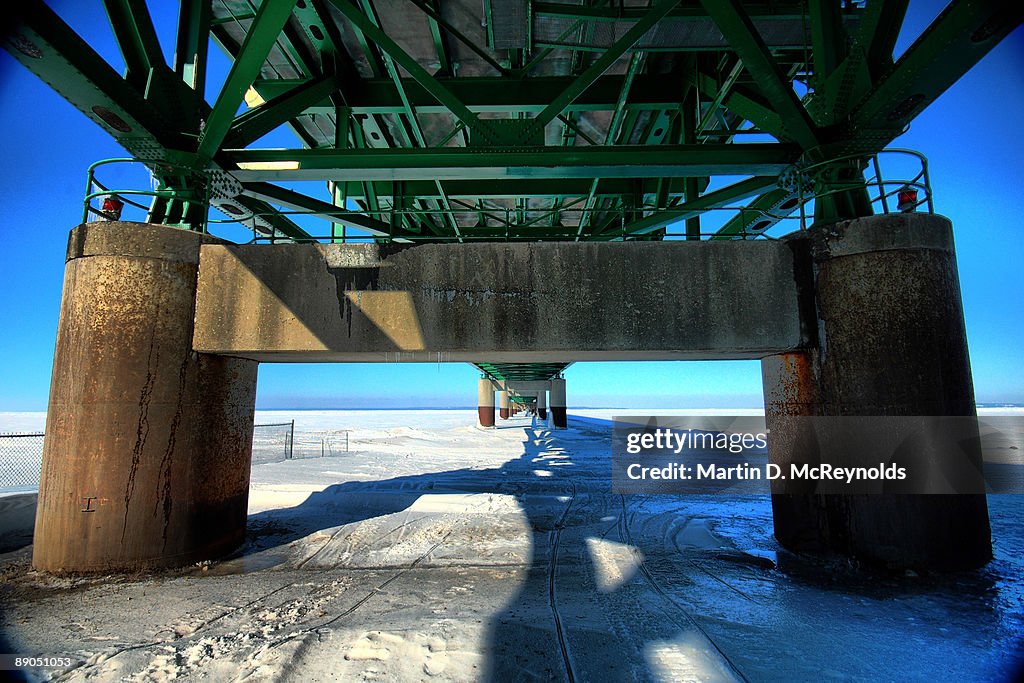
[[790, 393], [558, 417], [542, 405], [504, 405], [148, 444], [891, 341], [485, 402]]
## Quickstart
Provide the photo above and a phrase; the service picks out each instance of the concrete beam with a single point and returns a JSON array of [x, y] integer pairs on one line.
[[498, 302]]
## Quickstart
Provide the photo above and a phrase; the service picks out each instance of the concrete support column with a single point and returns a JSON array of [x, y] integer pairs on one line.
[[542, 405], [504, 408], [791, 391], [558, 403], [148, 444], [891, 341], [485, 402]]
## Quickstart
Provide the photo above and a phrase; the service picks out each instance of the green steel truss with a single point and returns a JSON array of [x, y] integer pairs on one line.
[[522, 371], [452, 120], [448, 120]]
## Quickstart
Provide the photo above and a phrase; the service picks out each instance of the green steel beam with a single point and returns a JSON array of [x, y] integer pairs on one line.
[[518, 187], [440, 44], [450, 29], [410, 115], [879, 30], [735, 24], [136, 38], [48, 47], [689, 135], [193, 44], [745, 104], [522, 371], [315, 207], [838, 71], [603, 63], [760, 214], [635, 63], [328, 41], [623, 161], [870, 54], [396, 80], [861, 100], [490, 94], [718, 93], [267, 214], [775, 11], [262, 34], [363, 23], [255, 123], [828, 39], [725, 196], [958, 38], [55, 53]]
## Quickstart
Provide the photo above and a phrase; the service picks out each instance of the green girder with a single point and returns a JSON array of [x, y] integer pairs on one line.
[[522, 372], [428, 126], [597, 121]]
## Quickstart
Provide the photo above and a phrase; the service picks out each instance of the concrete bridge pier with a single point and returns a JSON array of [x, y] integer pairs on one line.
[[890, 340], [148, 444], [504, 405], [485, 402], [542, 405], [558, 418]]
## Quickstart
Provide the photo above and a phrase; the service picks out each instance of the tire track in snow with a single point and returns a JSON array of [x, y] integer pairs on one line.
[[626, 537], [365, 546], [553, 539]]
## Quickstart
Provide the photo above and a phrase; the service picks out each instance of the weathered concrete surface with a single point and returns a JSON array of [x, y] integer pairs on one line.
[[558, 408], [503, 405], [485, 402], [148, 444], [498, 302], [891, 341]]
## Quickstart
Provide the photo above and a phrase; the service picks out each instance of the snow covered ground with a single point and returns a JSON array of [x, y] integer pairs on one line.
[[434, 550]]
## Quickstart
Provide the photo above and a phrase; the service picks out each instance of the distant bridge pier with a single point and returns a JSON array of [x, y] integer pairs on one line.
[[542, 406], [148, 444], [890, 341], [504, 406], [558, 418], [485, 402]]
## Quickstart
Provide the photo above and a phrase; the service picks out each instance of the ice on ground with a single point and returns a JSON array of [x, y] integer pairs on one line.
[[434, 550]]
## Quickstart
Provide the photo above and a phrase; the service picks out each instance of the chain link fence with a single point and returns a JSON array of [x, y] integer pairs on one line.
[[21, 455], [21, 460], [324, 443], [273, 442]]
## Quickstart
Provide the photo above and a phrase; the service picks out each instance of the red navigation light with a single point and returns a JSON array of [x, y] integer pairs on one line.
[[907, 199], [112, 207]]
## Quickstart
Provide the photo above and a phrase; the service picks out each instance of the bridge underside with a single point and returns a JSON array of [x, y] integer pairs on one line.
[[461, 120], [531, 184], [150, 421]]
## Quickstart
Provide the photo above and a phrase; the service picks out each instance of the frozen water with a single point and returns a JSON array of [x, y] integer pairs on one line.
[[434, 550]]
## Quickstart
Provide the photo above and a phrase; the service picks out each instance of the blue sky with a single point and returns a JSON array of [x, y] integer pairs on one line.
[[970, 136]]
